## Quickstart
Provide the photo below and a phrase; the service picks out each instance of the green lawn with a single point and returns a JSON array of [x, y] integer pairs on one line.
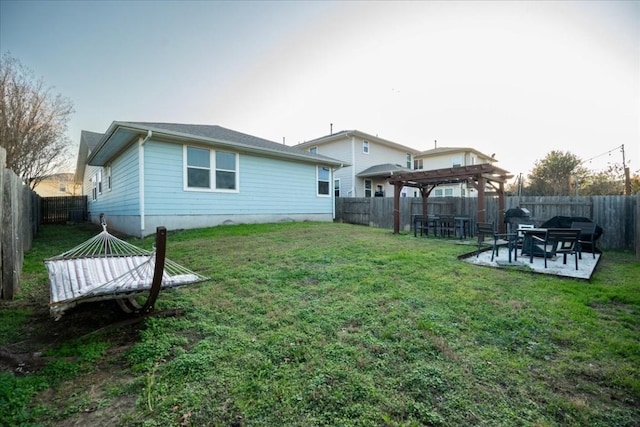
[[320, 324]]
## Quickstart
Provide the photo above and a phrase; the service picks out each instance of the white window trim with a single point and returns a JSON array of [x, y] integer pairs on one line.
[[94, 188], [99, 180], [366, 149], [364, 186], [334, 187], [313, 150], [109, 178], [212, 172], [329, 181]]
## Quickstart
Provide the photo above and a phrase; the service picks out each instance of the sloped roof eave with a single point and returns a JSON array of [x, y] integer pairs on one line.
[[103, 152]]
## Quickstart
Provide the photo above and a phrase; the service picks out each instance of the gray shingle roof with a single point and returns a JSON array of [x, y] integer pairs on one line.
[[91, 139], [219, 133], [385, 169]]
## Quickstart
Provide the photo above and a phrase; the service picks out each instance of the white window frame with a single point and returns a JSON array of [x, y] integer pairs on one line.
[[313, 150], [370, 189], [419, 163], [365, 147], [438, 192], [318, 181], [99, 180], [94, 188], [409, 160], [336, 189], [448, 192], [212, 171], [108, 178]]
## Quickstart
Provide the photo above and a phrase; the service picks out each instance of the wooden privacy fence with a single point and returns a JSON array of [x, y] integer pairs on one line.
[[63, 209], [19, 210], [617, 215]]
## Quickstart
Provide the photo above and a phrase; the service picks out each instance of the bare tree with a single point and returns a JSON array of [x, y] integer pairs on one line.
[[33, 122]]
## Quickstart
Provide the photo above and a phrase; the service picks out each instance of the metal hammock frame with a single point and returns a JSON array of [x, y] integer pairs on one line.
[[105, 267]]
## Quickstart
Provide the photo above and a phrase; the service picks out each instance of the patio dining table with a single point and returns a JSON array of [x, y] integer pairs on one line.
[[527, 241]]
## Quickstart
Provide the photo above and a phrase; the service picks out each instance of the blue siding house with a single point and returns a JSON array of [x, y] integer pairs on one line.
[[143, 175]]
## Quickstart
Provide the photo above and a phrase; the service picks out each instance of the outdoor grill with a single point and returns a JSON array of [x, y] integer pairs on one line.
[[515, 216]]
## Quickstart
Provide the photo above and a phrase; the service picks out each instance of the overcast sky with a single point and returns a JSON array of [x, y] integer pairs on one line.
[[514, 78]]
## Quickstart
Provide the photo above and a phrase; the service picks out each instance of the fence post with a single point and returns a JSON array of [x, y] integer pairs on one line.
[[638, 226], [10, 245], [3, 159]]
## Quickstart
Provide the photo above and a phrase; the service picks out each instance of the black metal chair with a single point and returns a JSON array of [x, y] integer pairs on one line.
[[487, 231], [587, 235], [557, 241]]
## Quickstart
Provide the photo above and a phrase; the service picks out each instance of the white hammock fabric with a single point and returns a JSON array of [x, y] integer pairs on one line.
[[105, 267]]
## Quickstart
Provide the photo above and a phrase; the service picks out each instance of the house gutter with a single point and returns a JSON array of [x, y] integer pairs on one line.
[[141, 143]]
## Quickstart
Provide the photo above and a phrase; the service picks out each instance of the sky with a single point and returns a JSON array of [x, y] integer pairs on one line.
[[516, 79]]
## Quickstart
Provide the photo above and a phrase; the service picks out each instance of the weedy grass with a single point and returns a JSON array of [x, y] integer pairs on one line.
[[333, 324]]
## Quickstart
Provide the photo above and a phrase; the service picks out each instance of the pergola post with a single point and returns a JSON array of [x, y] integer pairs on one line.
[[397, 188], [482, 209], [425, 196], [501, 209]]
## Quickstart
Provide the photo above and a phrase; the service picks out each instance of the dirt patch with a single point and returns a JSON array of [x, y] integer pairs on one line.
[[41, 333]]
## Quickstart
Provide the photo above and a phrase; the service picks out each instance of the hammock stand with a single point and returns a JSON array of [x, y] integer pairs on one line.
[[105, 267]]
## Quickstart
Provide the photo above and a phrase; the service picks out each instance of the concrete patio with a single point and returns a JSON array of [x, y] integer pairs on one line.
[[586, 265]]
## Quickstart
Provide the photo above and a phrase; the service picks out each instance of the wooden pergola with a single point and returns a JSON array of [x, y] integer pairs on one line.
[[479, 176]]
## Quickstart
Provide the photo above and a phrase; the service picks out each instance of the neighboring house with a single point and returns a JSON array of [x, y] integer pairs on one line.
[[451, 157], [58, 185], [369, 162], [144, 175]]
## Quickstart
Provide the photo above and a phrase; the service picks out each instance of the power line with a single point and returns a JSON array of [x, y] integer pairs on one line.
[[604, 154]]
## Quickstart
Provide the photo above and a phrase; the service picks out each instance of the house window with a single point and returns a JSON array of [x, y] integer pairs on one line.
[[108, 178], [198, 168], [210, 169], [448, 191], [438, 192], [225, 170], [408, 160], [313, 150], [63, 187], [365, 147], [100, 181], [417, 164], [94, 189], [336, 187], [367, 188], [324, 176], [456, 162]]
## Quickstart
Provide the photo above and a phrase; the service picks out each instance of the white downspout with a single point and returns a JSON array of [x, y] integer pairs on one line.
[[141, 143]]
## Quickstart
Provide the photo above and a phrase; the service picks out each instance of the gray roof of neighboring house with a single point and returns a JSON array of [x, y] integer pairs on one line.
[[386, 169], [445, 150], [121, 134], [359, 134]]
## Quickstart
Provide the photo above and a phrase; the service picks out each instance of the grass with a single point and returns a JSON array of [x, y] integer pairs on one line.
[[310, 324]]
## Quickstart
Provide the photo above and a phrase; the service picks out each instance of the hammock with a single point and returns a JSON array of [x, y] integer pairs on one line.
[[105, 267]]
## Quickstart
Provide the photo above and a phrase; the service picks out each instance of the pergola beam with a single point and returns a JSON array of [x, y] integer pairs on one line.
[[476, 175]]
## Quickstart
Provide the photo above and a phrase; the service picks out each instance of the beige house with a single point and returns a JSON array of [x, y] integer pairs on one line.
[[58, 185], [372, 160], [451, 157]]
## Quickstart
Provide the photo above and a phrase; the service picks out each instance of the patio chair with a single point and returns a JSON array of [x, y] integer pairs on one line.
[[487, 230], [587, 235], [557, 241]]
